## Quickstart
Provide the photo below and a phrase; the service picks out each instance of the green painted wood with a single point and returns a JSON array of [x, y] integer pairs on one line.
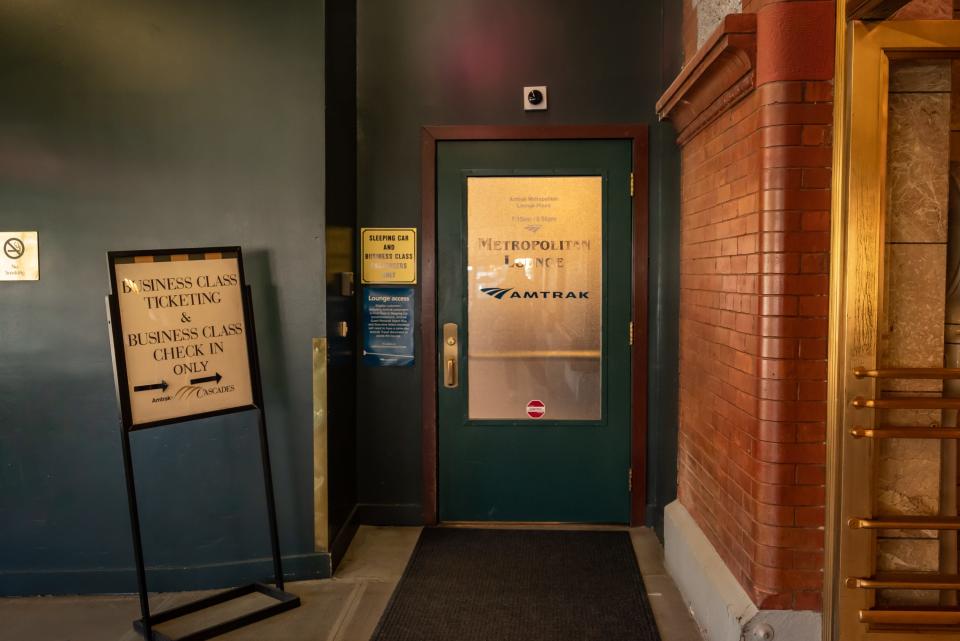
[[547, 471]]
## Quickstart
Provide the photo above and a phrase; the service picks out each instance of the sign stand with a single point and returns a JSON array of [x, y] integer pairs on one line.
[[284, 600]]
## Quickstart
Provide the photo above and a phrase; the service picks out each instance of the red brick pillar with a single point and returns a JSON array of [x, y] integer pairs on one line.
[[753, 313], [795, 63]]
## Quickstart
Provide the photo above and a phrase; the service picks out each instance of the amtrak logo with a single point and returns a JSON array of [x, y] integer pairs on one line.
[[533, 229], [496, 292], [509, 292]]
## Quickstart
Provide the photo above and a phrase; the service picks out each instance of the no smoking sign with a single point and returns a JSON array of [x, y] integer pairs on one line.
[[19, 256], [13, 248]]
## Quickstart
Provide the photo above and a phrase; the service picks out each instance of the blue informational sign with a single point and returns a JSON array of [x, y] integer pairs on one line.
[[388, 326]]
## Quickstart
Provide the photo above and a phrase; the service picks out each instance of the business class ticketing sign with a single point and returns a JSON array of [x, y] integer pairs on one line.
[[182, 343]]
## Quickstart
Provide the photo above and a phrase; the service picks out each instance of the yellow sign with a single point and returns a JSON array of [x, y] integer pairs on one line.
[[19, 255], [184, 335], [389, 255]]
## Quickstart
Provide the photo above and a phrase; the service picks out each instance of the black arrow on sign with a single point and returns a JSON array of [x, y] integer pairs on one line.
[[162, 385], [206, 379]]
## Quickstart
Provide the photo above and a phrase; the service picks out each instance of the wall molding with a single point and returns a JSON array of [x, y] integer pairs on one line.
[[719, 604], [343, 539], [296, 567], [722, 72], [389, 514]]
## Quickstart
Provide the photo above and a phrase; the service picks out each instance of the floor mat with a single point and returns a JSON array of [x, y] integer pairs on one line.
[[519, 585]]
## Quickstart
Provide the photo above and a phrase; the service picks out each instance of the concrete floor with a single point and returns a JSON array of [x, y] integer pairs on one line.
[[345, 608]]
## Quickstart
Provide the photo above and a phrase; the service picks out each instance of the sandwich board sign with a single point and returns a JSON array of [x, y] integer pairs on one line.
[[183, 341], [184, 348]]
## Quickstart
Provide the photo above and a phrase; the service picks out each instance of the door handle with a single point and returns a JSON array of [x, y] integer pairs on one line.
[[451, 356], [451, 378]]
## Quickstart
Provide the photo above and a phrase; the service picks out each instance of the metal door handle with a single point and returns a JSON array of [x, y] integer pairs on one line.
[[451, 355], [451, 378]]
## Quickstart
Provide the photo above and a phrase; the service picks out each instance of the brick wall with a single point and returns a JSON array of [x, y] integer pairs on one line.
[[753, 314]]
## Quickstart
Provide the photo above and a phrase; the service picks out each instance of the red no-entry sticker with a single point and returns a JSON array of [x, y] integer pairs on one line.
[[535, 409]]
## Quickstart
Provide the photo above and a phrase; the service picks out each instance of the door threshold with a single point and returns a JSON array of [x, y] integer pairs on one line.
[[532, 525]]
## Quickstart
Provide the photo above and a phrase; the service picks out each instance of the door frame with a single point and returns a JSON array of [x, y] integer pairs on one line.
[[429, 137]]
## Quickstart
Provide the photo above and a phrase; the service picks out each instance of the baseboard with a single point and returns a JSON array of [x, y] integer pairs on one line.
[[343, 538], [722, 608], [655, 519], [296, 567], [389, 514]]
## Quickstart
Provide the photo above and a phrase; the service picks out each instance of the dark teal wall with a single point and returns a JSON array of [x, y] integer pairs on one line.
[[664, 310], [436, 62], [129, 124], [341, 143]]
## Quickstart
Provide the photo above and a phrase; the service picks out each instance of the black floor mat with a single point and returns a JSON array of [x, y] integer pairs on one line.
[[519, 585]]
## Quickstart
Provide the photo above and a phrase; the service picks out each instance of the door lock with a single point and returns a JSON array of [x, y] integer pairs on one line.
[[451, 356]]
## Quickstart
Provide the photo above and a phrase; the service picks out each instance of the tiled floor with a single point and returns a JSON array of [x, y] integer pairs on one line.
[[345, 608]]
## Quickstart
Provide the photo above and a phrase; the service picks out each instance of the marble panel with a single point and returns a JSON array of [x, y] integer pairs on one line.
[[919, 598], [926, 10], [914, 310], [920, 76], [899, 555], [909, 417], [918, 155], [908, 477], [905, 387], [908, 555], [908, 470], [709, 15]]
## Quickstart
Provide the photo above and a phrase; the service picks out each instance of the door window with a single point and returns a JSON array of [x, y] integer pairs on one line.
[[534, 293]]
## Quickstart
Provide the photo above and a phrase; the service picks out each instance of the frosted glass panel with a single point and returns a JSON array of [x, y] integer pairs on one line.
[[534, 283]]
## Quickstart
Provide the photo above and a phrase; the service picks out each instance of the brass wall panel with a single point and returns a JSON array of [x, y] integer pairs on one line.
[[835, 345], [856, 302], [321, 477]]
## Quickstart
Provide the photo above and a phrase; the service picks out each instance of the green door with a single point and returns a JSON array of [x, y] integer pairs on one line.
[[534, 296]]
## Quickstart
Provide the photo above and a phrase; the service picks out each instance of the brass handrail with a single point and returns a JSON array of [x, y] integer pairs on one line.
[[906, 581], [913, 403], [905, 432], [908, 372], [905, 523], [910, 617]]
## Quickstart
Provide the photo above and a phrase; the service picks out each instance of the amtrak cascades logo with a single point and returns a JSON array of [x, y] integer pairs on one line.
[[500, 293]]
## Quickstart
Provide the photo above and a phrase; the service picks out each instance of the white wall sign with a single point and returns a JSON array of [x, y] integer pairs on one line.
[[19, 255]]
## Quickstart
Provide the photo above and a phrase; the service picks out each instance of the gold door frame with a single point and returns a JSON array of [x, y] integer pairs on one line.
[[856, 277]]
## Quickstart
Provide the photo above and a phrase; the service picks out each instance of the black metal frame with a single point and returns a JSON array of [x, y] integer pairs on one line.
[[285, 600]]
